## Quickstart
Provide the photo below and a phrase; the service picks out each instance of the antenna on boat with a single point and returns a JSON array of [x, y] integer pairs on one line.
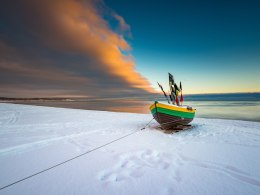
[[164, 93], [181, 99], [170, 95]]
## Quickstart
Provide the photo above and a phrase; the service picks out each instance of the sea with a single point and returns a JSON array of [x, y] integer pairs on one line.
[[237, 106]]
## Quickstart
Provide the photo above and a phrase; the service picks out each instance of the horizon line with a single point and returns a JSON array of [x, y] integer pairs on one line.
[[89, 97]]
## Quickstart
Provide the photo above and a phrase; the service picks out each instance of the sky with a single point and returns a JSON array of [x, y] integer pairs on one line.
[[111, 48]]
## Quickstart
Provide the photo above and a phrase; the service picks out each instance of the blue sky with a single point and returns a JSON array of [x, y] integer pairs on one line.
[[212, 46]]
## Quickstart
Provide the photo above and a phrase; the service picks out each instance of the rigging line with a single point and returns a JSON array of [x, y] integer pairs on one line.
[[66, 161], [147, 124], [54, 166]]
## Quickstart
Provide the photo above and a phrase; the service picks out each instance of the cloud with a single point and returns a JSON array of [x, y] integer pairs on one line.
[[123, 26], [53, 43]]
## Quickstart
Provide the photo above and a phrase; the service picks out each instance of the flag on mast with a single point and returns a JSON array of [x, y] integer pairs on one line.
[[171, 79], [172, 89], [177, 91], [173, 95], [177, 101]]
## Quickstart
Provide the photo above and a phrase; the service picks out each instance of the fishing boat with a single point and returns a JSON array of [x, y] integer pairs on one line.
[[172, 116]]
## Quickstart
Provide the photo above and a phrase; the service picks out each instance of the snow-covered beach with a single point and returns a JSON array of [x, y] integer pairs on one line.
[[214, 157]]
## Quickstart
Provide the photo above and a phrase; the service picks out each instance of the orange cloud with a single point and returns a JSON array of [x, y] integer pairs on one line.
[[78, 27]]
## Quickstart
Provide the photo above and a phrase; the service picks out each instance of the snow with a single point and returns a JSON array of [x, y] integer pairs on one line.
[[215, 157]]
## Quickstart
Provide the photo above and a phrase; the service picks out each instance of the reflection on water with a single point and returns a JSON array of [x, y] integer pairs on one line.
[[132, 106], [242, 110]]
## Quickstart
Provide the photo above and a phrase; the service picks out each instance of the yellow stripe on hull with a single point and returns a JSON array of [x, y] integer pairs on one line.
[[171, 107]]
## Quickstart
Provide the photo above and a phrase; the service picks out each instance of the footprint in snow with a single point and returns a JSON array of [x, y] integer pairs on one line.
[[135, 165], [9, 118]]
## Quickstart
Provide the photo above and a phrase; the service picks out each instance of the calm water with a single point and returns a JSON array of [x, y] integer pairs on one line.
[[240, 110]]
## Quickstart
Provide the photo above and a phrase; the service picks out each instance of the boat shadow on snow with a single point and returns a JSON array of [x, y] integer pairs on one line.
[[173, 130]]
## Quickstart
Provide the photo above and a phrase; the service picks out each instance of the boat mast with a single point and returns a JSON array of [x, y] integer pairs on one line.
[[164, 93]]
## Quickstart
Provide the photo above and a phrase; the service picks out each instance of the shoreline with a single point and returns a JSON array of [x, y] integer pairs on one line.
[[72, 105]]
